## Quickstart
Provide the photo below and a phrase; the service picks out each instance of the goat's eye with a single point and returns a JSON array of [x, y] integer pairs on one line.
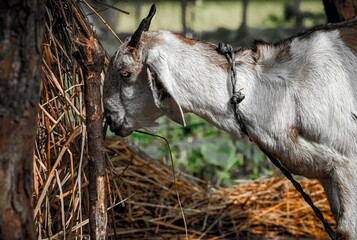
[[125, 74]]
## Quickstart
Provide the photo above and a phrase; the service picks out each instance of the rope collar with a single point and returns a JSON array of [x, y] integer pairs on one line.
[[237, 96], [228, 51]]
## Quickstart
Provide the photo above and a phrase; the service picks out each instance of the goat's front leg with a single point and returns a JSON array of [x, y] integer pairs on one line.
[[332, 195], [337, 174], [345, 178]]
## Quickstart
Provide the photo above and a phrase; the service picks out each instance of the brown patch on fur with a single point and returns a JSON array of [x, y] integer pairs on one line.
[[255, 57], [258, 46], [185, 40], [214, 57], [254, 60], [349, 37], [294, 134], [149, 40], [220, 61], [247, 56], [282, 51], [134, 53]]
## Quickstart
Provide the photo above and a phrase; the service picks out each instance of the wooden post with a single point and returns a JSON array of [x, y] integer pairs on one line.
[[91, 57]]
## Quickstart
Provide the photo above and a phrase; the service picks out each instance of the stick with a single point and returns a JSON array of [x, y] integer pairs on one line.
[[91, 58]]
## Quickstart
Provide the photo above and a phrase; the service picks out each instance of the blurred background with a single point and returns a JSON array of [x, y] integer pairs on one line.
[[200, 149]]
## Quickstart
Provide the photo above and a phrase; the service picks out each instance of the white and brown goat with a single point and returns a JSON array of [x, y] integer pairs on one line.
[[300, 101]]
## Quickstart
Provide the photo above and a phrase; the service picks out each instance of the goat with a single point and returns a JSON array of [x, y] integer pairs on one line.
[[300, 101]]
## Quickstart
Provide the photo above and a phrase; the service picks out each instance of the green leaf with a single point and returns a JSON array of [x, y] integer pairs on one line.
[[219, 153]]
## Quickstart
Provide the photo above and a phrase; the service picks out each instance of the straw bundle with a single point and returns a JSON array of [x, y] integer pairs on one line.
[[60, 181], [267, 208], [142, 196]]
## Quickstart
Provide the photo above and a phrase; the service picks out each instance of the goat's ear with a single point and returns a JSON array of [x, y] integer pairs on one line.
[[163, 96]]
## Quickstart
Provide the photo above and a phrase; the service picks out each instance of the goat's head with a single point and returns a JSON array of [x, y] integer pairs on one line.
[[136, 90]]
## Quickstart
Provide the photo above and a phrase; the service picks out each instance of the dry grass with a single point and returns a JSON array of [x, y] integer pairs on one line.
[[60, 182], [142, 198], [269, 208]]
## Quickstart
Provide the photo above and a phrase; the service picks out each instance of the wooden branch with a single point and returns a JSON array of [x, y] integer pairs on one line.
[[90, 56]]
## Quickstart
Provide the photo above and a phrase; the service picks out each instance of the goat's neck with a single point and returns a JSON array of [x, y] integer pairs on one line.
[[202, 81]]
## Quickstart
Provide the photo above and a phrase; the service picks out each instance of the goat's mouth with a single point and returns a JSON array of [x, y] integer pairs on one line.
[[121, 131], [119, 128]]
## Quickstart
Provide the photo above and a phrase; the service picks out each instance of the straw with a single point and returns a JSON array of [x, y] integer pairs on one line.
[[265, 207]]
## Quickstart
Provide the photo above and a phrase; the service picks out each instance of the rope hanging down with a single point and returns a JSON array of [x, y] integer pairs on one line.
[[237, 97]]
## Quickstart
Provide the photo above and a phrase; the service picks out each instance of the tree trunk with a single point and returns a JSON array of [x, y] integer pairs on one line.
[[242, 30], [298, 14], [244, 15], [338, 11], [21, 30], [184, 16]]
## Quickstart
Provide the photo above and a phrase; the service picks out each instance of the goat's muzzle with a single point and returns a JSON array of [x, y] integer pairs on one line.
[[117, 127]]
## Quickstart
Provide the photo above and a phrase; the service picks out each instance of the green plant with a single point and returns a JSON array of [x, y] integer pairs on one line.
[[206, 152]]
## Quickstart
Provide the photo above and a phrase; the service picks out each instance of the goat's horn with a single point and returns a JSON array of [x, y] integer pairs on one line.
[[144, 26]]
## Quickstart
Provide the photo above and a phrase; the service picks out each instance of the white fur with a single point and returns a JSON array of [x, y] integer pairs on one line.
[[298, 106]]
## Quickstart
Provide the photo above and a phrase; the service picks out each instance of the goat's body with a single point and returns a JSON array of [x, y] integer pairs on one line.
[[300, 101], [303, 107]]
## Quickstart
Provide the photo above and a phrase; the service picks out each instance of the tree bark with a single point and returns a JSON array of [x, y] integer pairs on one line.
[[184, 16], [91, 58], [338, 11], [21, 30], [242, 30], [298, 14], [244, 16]]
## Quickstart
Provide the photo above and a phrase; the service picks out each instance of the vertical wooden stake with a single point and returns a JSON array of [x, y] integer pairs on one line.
[[91, 58]]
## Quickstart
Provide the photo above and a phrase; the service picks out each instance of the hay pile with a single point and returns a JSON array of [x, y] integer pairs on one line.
[[142, 197], [60, 180], [150, 209]]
